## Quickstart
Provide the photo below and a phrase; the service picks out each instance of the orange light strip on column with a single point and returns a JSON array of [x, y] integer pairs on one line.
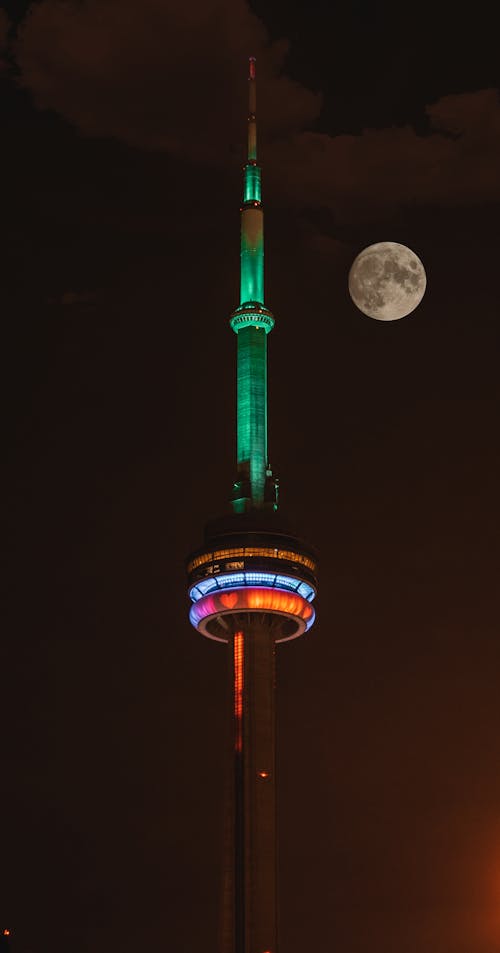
[[238, 689]]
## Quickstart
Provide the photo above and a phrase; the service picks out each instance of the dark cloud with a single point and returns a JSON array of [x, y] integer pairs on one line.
[[154, 75], [4, 32], [4, 27], [164, 77], [359, 176], [67, 299]]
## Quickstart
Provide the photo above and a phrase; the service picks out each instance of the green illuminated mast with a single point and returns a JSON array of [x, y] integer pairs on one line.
[[255, 487]]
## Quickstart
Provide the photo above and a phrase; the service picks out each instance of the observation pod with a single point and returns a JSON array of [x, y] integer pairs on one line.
[[247, 572]]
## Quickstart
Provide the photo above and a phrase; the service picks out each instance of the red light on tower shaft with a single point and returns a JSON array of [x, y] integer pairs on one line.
[[238, 689]]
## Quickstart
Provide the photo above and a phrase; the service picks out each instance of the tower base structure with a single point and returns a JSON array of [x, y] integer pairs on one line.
[[251, 585]]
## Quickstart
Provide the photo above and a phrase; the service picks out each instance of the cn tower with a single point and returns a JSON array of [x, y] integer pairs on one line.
[[251, 584]]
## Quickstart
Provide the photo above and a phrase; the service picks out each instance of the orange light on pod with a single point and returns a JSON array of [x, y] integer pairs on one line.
[[252, 599], [277, 601], [263, 774]]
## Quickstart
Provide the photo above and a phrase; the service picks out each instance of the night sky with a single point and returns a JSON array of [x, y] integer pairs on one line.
[[123, 138]]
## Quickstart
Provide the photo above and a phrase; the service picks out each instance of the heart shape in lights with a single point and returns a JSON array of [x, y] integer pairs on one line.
[[229, 599]]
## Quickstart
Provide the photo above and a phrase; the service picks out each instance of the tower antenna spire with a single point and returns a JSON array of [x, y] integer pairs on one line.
[[252, 112]]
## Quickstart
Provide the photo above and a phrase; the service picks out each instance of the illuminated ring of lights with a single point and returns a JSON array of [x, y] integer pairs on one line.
[[252, 314], [231, 601], [236, 580]]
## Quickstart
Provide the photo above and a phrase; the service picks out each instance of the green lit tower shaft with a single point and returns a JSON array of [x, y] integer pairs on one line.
[[252, 322], [251, 585]]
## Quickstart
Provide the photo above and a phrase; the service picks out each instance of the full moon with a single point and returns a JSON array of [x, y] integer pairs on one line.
[[387, 281]]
